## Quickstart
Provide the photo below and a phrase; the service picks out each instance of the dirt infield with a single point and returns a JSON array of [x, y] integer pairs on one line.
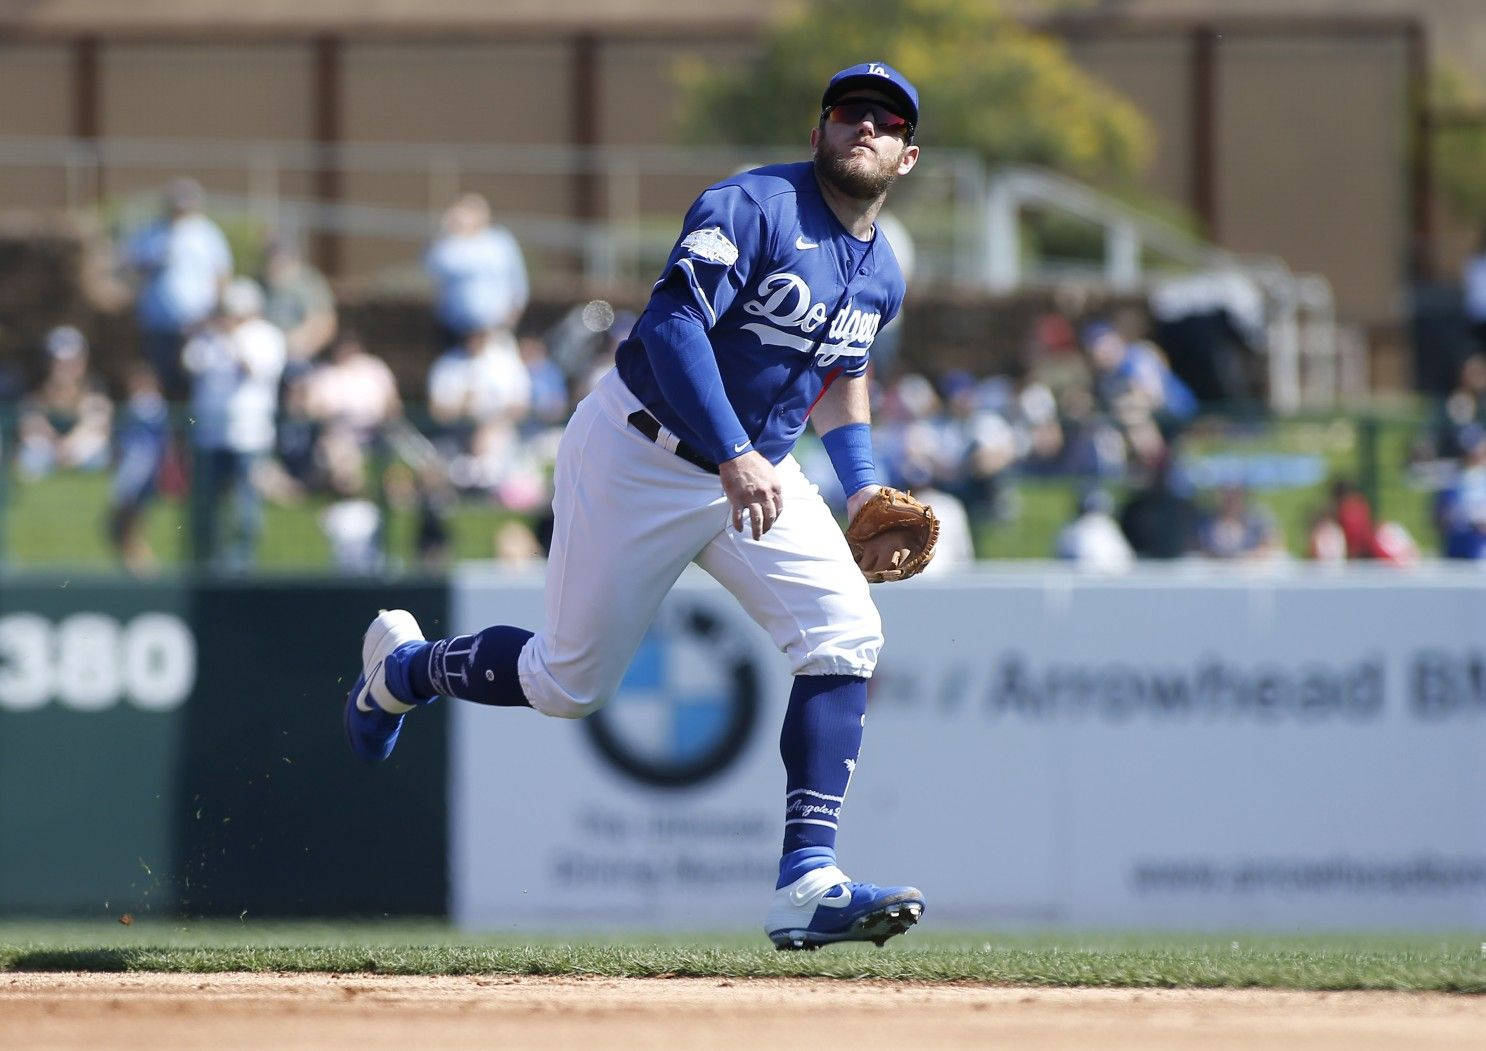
[[226, 1011]]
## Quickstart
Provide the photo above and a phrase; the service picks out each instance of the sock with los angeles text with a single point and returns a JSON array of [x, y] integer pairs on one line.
[[819, 742]]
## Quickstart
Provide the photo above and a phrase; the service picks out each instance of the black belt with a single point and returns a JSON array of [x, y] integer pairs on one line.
[[650, 427]]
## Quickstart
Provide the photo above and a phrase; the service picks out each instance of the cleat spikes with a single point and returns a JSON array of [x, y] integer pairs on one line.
[[868, 913], [794, 943]]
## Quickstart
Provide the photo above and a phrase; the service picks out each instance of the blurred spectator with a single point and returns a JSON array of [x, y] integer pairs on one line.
[[1464, 410], [1127, 369], [1092, 446], [1161, 520], [1211, 325], [351, 523], [295, 432], [1032, 411], [481, 392], [1345, 529], [1460, 508], [1053, 357], [478, 271], [1353, 516], [980, 445], [184, 262], [1093, 540], [1326, 541], [1396, 545], [1237, 530], [1135, 388], [907, 398], [1474, 287], [139, 456], [549, 387], [905, 432], [352, 388], [66, 421], [479, 382], [235, 363], [297, 298]]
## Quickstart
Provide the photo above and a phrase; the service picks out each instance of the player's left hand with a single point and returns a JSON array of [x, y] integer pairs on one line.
[[855, 501], [885, 552], [752, 486], [892, 536]]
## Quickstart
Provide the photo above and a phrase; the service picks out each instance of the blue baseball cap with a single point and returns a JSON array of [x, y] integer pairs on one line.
[[875, 76]]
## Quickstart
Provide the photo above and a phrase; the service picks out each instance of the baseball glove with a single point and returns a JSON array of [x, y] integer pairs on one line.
[[884, 527]]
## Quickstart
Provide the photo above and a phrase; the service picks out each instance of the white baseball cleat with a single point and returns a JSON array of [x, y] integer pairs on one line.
[[373, 714], [824, 906]]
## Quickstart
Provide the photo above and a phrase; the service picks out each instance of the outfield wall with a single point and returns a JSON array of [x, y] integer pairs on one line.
[[177, 748], [1169, 749], [1184, 749]]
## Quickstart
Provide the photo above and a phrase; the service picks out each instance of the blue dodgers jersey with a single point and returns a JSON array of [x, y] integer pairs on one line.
[[789, 297]]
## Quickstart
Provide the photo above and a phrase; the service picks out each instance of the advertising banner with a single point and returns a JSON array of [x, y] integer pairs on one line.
[[176, 747], [276, 817], [1160, 750], [94, 679]]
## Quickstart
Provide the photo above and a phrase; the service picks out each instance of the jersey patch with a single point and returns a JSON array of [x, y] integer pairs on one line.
[[712, 245]]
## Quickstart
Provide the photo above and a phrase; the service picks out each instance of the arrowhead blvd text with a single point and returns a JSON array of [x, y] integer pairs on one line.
[[1436, 685]]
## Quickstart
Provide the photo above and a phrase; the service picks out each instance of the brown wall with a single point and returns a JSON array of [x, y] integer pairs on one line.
[[1154, 72], [36, 84], [1308, 155], [1310, 163], [481, 93]]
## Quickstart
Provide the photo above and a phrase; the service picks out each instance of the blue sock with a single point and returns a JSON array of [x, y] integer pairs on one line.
[[479, 668], [796, 863], [819, 743]]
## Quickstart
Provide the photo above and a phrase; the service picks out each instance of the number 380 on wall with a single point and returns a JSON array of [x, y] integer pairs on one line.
[[91, 661]]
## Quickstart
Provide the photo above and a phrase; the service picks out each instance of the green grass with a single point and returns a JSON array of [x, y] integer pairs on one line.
[[60, 522], [1453, 963]]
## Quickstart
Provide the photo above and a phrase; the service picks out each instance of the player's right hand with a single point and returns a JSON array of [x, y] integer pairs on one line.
[[752, 486]]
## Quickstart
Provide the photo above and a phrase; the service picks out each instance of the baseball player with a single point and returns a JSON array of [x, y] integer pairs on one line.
[[762, 319]]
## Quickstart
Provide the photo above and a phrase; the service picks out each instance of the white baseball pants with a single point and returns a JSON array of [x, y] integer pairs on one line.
[[631, 515]]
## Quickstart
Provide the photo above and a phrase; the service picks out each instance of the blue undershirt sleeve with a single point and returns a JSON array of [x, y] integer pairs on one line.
[[680, 354], [850, 449]]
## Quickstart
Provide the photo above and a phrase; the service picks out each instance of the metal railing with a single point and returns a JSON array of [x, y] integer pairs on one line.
[[967, 222], [1309, 362]]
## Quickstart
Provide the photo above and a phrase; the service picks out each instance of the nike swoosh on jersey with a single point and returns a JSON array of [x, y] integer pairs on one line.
[[740, 447], [803, 244]]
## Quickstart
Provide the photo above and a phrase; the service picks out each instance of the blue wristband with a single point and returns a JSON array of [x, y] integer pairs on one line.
[[850, 449]]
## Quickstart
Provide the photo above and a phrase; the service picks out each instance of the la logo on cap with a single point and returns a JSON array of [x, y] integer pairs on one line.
[[877, 69]]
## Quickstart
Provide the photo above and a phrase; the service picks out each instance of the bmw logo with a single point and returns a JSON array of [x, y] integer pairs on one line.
[[688, 704]]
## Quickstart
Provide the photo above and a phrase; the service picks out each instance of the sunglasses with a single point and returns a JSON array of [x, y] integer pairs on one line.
[[854, 111]]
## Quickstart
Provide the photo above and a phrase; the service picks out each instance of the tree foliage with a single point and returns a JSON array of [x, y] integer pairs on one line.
[[1459, 151], [987, 83]]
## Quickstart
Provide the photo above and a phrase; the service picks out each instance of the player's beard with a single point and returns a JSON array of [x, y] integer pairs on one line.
[[861, 182]]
